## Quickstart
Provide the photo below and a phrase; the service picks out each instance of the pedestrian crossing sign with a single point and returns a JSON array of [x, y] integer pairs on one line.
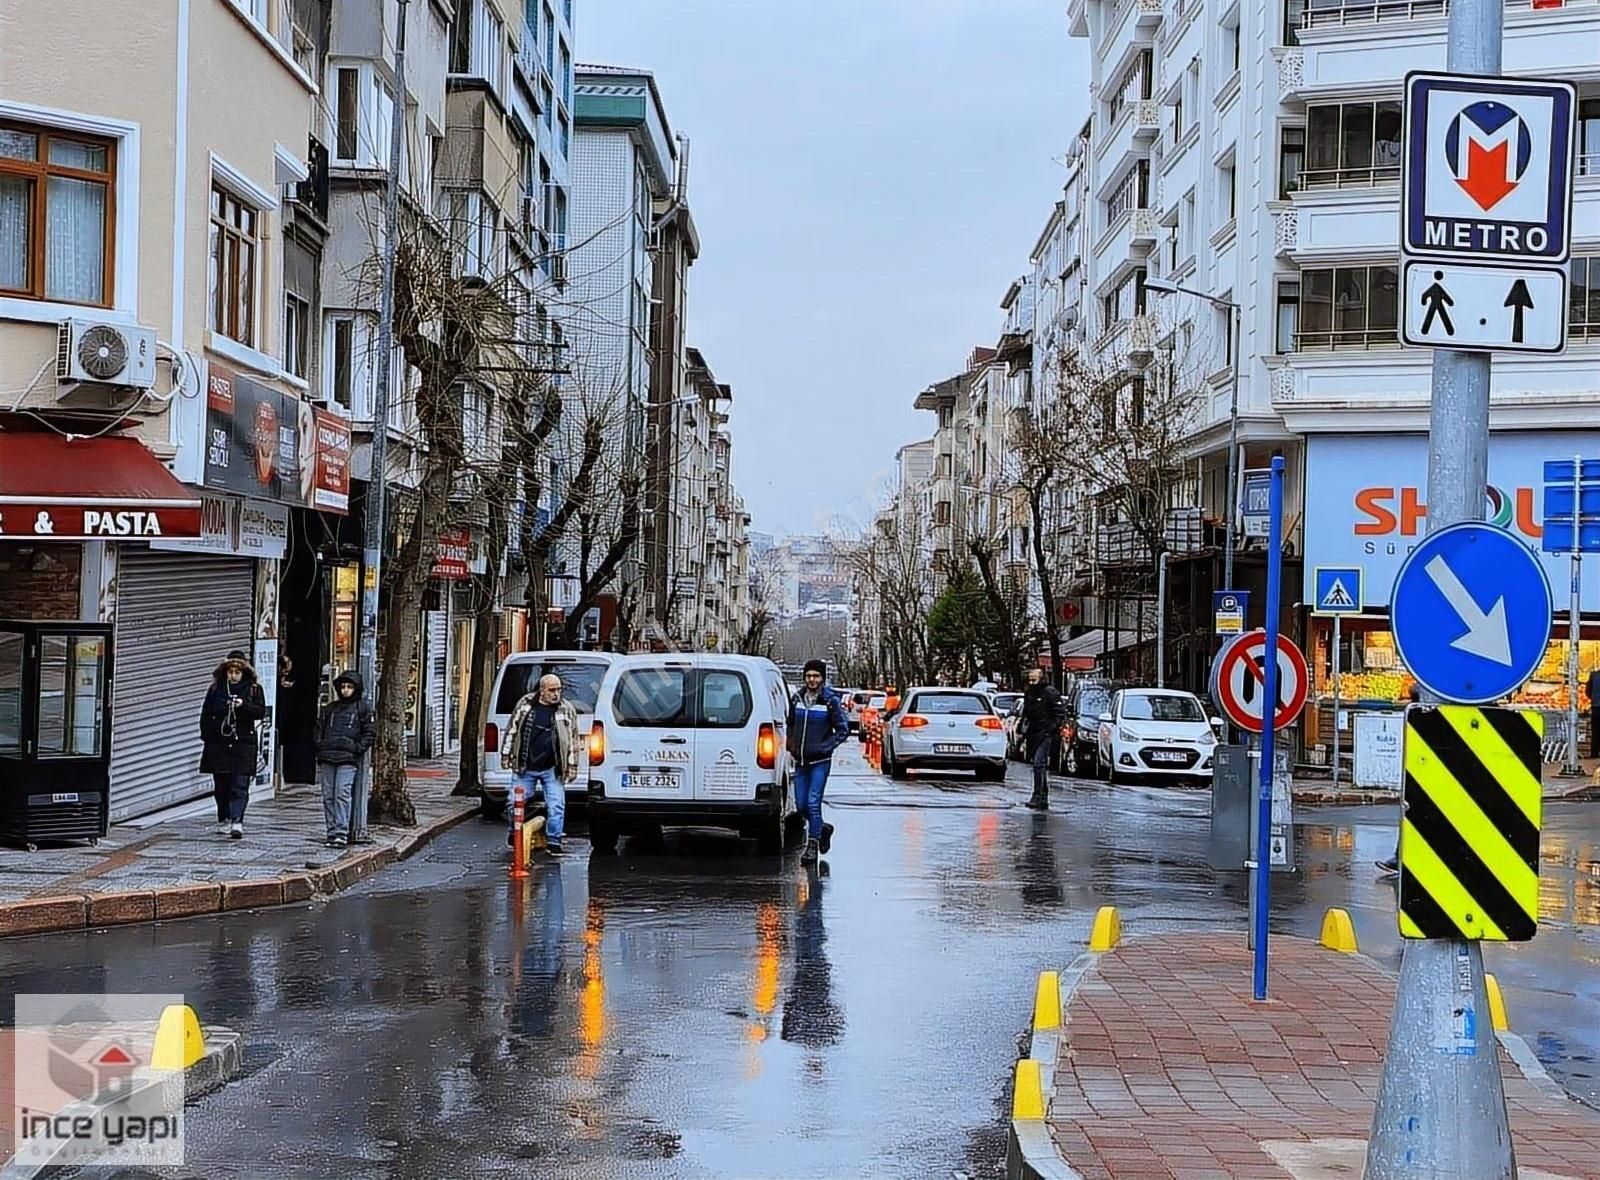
[[1338, 590]]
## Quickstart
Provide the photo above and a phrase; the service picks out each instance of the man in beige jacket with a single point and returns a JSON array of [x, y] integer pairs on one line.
[[541, 749]]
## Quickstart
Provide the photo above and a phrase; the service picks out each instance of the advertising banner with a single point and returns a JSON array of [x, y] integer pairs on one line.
[[237, 528], [268, 445], [1367, 503], [452, 563]]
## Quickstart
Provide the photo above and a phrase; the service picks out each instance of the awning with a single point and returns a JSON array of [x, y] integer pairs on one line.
[[108, 488]]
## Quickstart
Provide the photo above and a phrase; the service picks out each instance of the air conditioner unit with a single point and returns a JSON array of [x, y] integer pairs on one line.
[[107, 354]]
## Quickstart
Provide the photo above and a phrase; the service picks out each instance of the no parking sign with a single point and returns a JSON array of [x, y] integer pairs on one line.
[[1238, 681]]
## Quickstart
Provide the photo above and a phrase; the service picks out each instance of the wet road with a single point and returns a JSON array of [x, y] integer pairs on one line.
[[694, 1009]]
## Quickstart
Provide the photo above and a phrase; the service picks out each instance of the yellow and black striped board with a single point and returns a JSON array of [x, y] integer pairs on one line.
[[1469, 842]]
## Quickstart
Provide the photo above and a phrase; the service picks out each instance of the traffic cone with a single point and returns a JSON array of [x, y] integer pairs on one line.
[[519, 859]]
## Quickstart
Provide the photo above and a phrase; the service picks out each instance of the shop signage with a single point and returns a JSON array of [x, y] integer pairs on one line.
[[113, 520], [237, 528], [1256, 502], [268, 445], [452, 561], [1367, 505]]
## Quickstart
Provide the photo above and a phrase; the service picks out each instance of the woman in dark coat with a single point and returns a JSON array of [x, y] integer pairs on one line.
[[234, 706]]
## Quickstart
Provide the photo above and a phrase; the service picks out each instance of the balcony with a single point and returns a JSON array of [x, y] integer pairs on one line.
[[1131, 135], [1366, 46], [1129, 240], [1131, 28]]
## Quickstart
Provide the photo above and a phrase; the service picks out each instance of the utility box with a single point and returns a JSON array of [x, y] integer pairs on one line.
[[1232, 803]]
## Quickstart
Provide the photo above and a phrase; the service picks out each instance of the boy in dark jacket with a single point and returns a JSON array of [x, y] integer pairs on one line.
[[233, 706], [817, 727], [345, 733]]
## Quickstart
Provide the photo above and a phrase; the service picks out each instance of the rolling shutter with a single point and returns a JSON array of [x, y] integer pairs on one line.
[[178, 615]]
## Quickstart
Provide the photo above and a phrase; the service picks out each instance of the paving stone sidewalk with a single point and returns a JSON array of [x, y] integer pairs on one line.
[[1169, 1070], [182, 866]]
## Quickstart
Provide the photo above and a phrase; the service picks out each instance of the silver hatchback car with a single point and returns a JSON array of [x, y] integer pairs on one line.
[[945, 729]]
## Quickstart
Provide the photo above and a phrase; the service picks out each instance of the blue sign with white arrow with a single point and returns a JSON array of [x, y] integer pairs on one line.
[[1471, 613]]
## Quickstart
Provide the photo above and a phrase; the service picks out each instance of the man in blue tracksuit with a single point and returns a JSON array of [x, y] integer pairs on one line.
[[817, 727]]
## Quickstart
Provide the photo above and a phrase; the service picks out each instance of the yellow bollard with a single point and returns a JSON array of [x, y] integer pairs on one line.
[[179, 1041], [1027, 1098], [1047, 1002], [1497, 1004], [1338, 933], [1107, 931], [533, 838]]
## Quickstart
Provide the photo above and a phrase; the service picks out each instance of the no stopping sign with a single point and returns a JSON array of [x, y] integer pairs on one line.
[[1238, 681]]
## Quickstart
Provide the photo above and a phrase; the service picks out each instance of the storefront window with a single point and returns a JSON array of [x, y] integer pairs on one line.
[[70, 693], [346, 604], [11, 647]]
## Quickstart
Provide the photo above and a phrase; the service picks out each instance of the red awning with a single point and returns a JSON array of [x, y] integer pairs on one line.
[[109, 488]]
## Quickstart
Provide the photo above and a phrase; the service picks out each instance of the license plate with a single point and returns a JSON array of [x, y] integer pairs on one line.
[[650, 780], [951, 748], [1167, 756]]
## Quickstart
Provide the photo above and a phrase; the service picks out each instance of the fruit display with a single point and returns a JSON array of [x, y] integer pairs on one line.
[[1375, 685]]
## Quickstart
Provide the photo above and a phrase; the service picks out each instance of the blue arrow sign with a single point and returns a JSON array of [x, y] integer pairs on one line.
[[1338, 590], [1471, 613]]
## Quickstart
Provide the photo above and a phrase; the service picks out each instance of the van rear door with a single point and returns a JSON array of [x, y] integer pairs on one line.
[[653, 742], [725, 739]]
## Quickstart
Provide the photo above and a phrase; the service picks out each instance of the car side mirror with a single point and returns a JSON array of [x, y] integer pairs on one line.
[[1104, 717], [1216, 724]]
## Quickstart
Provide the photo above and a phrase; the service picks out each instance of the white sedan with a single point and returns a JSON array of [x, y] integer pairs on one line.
[[1157, 733], [945, 729]]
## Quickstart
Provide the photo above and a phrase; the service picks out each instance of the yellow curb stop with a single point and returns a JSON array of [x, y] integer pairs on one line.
[[1497, 1004], [533, 838], [1338, 933], [179, 1041], [1027, 1099], [1047, 1002], [1107, 930]]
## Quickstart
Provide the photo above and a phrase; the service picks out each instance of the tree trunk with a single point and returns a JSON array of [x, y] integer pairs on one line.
[[1047, 590], [475, 712], [1008, 624]]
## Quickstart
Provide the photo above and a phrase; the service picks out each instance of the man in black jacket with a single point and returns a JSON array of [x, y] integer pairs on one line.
[[1041, 723], [233, 707], [345, 733]]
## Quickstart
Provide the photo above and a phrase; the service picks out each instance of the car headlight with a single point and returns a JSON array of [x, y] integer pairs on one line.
[[1124, 735], [1208, 741]]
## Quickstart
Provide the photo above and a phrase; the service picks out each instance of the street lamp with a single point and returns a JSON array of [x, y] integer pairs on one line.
[[1163, 287]]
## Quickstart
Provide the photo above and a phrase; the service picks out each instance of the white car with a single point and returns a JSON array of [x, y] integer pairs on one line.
[[945, 729], [580, 672], [1157, 733], [692, 739]]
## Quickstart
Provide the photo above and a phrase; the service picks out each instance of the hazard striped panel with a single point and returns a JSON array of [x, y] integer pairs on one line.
[[1469, 842]]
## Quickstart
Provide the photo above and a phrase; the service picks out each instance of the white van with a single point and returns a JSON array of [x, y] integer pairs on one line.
[[691, 739], [580, 672]]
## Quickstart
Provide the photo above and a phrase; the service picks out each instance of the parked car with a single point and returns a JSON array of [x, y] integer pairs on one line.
[[945, 729], [1157, 733], [851, 709], [1003, 700], [1011, 718], [580, 672], [692, 739], [871, 711], [1077, 753]]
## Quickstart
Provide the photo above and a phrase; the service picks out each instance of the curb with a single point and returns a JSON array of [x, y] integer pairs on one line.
[[222, 1062], [1030, 1150], [94, 911]]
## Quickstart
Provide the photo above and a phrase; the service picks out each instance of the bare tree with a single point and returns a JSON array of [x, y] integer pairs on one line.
[[892, 566]]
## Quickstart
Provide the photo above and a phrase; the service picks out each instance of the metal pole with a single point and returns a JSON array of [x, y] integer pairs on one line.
[[1233, 451], [1269, 719], [1441, 1112], [1573, 766], [1161, 621], [1338, 669], [377, 484]]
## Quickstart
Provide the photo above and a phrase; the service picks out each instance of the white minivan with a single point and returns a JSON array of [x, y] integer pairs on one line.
[[692, 739], [580, 672]]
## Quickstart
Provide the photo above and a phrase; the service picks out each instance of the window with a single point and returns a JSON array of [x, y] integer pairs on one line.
[[566, 75], [1187, 224], [1134, 85], [1108, 410], [473, 224], [1288, 324], [347, 99], [1177, 116], [461, 38], [580, 682], [1228, 189], [56, 226], [1133, 193], [1165, 707], [1589, 137], [477, 42], [1136, 400], [548, 100], [1353, 144], [1291, 160], [1348, 307], [1235, 48], [233, 267], [343, 366], [1584, 321], [296, 329], [652, 697], [724, 699], [474, 419], [1225, 333], [962, 704], [549, 41], [1294, 13]]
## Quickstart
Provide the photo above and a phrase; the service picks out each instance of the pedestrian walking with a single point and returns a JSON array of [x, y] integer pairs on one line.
[[233, 707], [542, 747], [1041, 726], [817, 727], [1593, 688], [345, 733]]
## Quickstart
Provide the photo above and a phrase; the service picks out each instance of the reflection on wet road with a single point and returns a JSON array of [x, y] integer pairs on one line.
[[693, 1009]]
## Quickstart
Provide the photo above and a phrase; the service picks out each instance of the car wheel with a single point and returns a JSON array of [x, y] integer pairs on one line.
[[994, 774], [772, 835], [490, 809], [602, 835], [897, 771]]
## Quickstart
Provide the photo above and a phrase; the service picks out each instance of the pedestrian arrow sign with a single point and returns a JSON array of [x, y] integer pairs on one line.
[[1484, 306], [1471, 613], [1338, 590]]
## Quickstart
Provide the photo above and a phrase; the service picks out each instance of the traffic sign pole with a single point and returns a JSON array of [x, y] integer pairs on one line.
[[1269, 716], [1573, 766], [1338, 668], [1441, 1110]]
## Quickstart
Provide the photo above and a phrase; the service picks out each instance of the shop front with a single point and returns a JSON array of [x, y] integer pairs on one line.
[[1367, 507]]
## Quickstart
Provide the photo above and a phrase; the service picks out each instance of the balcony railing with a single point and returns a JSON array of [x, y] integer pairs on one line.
[[1589, 164], [1348, 177], [1330, 13], [1348, 339]]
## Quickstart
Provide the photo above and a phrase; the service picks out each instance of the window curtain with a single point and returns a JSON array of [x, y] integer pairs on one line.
[[16, 213], [75, 240]]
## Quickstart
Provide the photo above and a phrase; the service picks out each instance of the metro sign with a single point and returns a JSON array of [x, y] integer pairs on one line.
[[1488, 168]]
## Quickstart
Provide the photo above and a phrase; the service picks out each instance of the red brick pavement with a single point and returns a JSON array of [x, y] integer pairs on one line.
[[1170, 1071]]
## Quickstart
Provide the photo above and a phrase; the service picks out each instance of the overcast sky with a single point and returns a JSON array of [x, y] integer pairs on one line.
[[867, 177]]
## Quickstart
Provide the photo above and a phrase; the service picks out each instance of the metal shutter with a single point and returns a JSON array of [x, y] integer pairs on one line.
[[438, 656], [178, 615]]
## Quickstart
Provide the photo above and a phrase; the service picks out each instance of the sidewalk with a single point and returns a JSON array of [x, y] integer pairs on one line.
[[1166, 1068], [181, 867]]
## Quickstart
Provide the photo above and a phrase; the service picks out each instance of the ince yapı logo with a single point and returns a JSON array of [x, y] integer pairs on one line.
[[1384, 514], [1489, 148]]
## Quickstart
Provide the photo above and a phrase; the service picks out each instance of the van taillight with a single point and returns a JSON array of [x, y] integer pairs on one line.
[[597, 744], [767, 746], [491, 738]]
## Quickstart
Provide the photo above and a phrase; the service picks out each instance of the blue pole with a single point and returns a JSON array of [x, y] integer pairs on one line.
[[1269, 714]]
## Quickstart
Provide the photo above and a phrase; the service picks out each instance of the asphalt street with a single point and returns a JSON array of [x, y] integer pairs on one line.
[[690, 1008]]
